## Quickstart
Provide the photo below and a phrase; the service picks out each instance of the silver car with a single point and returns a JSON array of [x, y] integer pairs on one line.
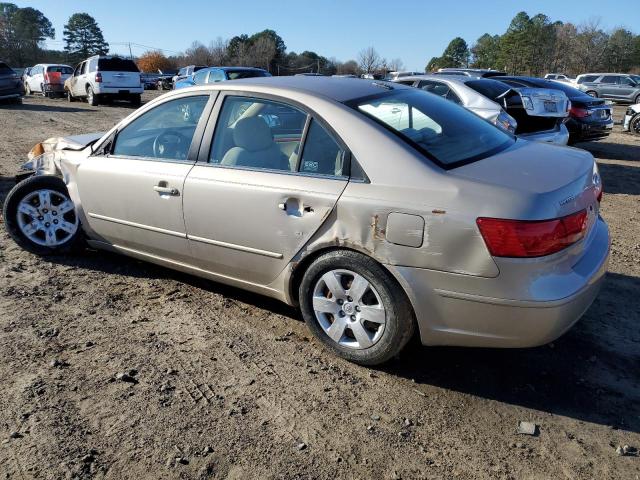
[[539, 112], [380, 210]]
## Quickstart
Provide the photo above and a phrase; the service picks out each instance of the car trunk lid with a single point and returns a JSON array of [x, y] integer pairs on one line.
[[535, 109]]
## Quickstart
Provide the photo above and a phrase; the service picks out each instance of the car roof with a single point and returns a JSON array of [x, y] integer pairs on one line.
[[335, 88]]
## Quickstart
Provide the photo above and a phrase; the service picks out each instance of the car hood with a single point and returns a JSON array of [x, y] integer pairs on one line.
[[44, 155]]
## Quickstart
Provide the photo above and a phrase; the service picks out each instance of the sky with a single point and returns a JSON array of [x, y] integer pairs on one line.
[[411, 30]]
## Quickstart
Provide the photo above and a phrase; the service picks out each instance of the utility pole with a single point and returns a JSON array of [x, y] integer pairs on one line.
[[130, 54]]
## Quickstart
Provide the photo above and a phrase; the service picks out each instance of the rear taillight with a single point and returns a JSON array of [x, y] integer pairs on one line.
[[523, 238], [98, 77], [578, 112]]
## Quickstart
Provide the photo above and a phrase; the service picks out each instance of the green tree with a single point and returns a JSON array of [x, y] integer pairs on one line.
[[486, 51], [620, 46], [83, 37], [22, 32], [457, 53]]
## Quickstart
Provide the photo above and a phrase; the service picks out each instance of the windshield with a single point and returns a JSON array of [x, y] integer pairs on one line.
[[116, 65], [5, 69], [237, 74], [60, 69], [443, 131], [489, 88]]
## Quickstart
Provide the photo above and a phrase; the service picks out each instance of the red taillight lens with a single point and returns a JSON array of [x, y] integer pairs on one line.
[[523, 238], [578, 112], [98, 77]]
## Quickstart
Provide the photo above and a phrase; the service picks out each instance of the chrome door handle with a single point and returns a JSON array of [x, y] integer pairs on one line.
[[166, 190]]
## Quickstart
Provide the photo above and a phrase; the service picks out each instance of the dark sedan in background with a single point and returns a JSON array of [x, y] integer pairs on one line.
[[11, 87], [589, 118]]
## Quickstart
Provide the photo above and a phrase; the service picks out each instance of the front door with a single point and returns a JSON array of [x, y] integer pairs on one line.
[[272, 177], [132, 189]]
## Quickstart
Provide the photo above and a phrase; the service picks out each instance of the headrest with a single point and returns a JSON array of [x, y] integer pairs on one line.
[[253, 134]]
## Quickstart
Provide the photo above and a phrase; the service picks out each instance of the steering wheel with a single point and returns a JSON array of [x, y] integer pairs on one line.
[[170, 144]]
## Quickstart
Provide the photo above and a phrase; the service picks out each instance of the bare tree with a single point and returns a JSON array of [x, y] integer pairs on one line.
[[197, 54], [369, 60], [396, 65], [262, 52], [218, 51]]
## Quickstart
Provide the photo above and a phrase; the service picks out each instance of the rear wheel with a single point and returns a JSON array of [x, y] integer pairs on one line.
[[40, 216], [355, 307], [634, 124], [92, 98], [42, 92], [70, 97], [592, 93]]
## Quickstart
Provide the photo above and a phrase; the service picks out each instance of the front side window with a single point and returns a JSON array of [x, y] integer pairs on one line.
[[446, 133], [626, 81], [257, 133], [164, 132]]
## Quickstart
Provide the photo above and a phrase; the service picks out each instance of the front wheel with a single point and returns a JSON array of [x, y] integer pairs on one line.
[[355, 307], [634, 124], [41, 218]]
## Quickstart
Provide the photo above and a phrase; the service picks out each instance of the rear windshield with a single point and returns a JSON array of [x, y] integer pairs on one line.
[[117, 65], [4, 68], [60, 69], [489, 88], [447, 133], [237, 74]]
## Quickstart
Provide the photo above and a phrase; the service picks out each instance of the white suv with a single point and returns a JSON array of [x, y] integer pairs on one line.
[[102, 77]]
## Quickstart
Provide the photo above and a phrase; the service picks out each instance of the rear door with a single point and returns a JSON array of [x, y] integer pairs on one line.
[[249, 204], [119, 73], [627, 88], [609, 86], [8, 78], [80, 80]]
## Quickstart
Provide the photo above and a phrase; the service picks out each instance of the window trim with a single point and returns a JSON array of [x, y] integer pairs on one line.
[[207, 141], [195, 141]]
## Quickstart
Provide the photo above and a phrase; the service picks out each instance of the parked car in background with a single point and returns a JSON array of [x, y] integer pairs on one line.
[[560, 77], [46, 79], [165, 79], [184, 72], [378, 224], [150, 80], [532, 113], [612, 86], [589, 118], [11, 87], [105, 78], [631, 121], [470, 72], [220, 74], [392, 76]]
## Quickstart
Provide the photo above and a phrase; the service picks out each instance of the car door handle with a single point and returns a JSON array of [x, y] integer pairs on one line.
[[166, 190], [295, 207]]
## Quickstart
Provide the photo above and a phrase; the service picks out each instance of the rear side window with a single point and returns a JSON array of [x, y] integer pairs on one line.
[[610, 79], [4, 68], [321, 154], [116, 64]]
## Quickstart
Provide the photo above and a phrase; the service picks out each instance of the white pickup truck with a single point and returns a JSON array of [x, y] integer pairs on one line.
[[101, 77]]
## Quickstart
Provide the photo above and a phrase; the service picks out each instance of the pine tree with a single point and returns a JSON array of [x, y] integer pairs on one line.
[[83, 37]]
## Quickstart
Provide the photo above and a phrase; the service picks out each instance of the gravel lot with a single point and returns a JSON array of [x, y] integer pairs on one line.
[[224, 384]]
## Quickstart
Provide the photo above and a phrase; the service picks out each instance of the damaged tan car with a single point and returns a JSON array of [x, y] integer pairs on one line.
[[379, 209]]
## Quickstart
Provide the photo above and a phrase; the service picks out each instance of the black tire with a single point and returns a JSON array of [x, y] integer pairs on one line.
[[42, 91], [92, 98], [399, 325], [634, 124], [10, 214], [592, 93], [70, 97], [136, 100], [637, 100]]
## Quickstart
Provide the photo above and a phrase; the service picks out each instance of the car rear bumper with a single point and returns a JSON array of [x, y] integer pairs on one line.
[[54, 87], [120, 91], [583, 131], [557, 136], [461, 310]]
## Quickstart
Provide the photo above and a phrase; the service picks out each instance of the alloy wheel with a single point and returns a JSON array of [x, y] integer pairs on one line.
[[349, 309], [47, 217]]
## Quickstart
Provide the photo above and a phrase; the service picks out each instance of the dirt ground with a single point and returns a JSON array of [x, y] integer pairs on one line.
[[226, 384]]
